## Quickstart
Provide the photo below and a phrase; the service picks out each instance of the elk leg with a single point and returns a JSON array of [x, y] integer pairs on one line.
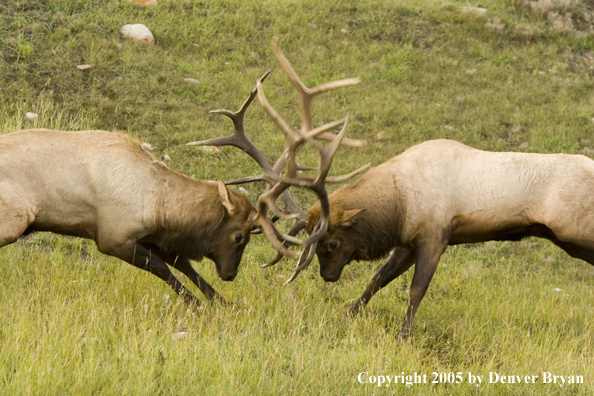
[[185, 266], [400, 261], [141, 257], [14, 220], [574, 250], [426, 257]]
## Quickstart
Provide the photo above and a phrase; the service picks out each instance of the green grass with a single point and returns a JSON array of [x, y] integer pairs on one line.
[[73, 321]]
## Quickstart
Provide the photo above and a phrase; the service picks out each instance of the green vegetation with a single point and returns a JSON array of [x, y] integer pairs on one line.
[[518, 77]]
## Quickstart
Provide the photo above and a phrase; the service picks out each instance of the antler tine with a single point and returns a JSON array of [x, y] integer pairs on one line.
[[273, 114], [304, 260], [239, 139], [326, 156], [304, 93], [309, 180], [299, 225], [327, 153], [352, 142]]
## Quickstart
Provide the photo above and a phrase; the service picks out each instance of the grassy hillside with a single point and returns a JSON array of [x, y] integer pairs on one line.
[[512, 75]]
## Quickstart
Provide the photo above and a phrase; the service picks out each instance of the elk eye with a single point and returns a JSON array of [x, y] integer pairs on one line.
[[333, 245], [238, 237]]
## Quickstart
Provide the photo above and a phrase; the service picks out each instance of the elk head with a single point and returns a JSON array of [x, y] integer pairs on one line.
[[233, 232], [279, 181], [343, 242]]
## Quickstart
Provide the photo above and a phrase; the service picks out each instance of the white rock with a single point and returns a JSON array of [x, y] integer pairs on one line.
[[191, 81], [180, 335], [83, 67], [474, 11], [138, 33], [31, 116]]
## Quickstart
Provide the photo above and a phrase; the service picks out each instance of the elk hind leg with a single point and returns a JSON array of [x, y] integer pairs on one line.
[[398, 263], [577, 251], [573, 249]]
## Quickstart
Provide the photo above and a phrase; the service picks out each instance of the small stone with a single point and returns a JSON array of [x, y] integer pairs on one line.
[[83, 67], [474, 11], [180, 336], [138, 33], [191, 81], [31, 116]]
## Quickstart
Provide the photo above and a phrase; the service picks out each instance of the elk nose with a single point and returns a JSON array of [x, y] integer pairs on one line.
[[228, 277], [330, 277]]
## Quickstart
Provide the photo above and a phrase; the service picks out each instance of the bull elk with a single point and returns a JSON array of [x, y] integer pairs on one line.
[[109, 188], [441, 193]]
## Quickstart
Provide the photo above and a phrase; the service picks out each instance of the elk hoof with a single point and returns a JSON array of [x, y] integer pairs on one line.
[[405, 335], [218, 300], [355, 308]]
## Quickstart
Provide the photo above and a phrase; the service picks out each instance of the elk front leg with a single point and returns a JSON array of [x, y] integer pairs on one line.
[[426, 257], [185, 266], [399, 262], [139, 256], [16, 214]]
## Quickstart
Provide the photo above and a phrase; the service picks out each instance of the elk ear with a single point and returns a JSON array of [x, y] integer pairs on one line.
[[225, 198], [349, 217]]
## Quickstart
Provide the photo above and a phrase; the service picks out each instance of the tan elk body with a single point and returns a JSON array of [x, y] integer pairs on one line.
[[442, 193], [107, 187]]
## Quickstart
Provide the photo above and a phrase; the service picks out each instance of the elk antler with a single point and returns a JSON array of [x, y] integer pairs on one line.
[[278, 185], [293, 142]]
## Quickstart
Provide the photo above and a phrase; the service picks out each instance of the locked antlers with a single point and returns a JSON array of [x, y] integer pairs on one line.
[[293, 176]]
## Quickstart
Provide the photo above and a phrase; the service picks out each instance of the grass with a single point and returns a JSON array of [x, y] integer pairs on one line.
[[73, 321]]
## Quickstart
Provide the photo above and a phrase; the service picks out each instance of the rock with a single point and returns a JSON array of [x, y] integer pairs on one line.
[[31, 116], [138, 33], [83, 67], [191, 81], [180, 336], [474, 11]]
